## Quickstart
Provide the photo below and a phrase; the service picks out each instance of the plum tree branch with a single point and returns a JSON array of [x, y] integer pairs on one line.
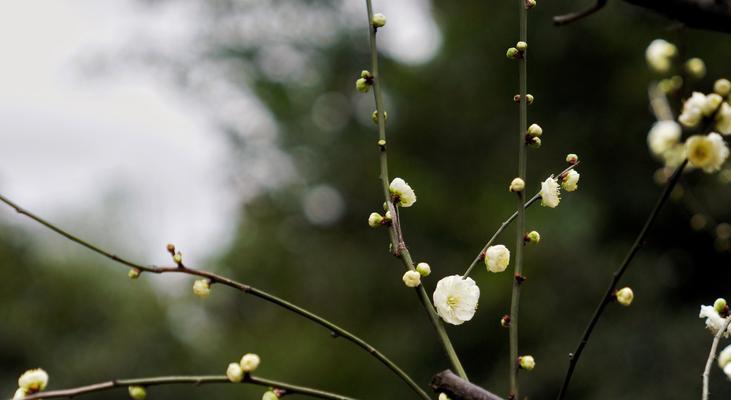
[[712, 356], [284, 388], [215, 278], [459, 389]]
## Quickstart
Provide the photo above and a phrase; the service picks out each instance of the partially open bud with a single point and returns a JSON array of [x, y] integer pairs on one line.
[[521, 46], [513, 53], [570, 181], [362, 85], [497, 258], [696, 67], [379, 20], [234, 373], [137, 392], [134, 273], [527, 362], [423, 269], [625, 296], [535, 130], [572, 159], [412, 279], [250, 362], [533, 237], [33, 380], [202, 288], [722, 87], [517, 185], [375, 220], [269, 395]]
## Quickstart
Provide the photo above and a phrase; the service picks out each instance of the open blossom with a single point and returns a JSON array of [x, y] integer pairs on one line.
[[455, 299], [663, 136], [723, 119], [403, 191], [497, 258], [571, 181], [714, 321], [693, 110], [33, 380], [659, 54], [550, 192], [707, 152]]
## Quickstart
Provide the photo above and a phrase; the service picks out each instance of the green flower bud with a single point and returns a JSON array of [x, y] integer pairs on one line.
[[423, 268], [137, 392], [513, 53], [533, 237], [535, 130], [134, 273], [362, 85], [379, 20], [366, 74], [527, 362], [720, 305], [178, 258], [375, 220]]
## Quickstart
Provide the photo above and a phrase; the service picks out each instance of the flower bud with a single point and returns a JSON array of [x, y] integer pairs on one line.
[[497, 258], [570, 180], [535, 142], [134, 273], [374, 116], [535, 130], [33, 380], [528, 97], [375, 220], [513, 53], [423, 269], [365, 74], [533, 237], [527, 362], [521, 46], [269, 395], [362, 85], [20, 394], [443, 396], [572, 159], [387, 216], [202, 288], [234, 373], [412, 279], [171, 248], [722, 87], [517, 185], [696, 67], [178, 258], [624, 296], [249, 362], [379, 20], [711, 104], [530, 4], [137, 392], [720, 306], [505, 321]]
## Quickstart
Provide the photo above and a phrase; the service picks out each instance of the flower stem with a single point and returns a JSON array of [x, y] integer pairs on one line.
[[608, 295], [194, 380], [395, 231], [520, 229], [712, 356]]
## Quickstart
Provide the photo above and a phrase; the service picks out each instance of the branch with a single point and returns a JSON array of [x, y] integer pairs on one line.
[[536, 197], [575, 16], [283, 388], [609, 294], [214, 278], [395, 233], [458, 389], [712, 356]]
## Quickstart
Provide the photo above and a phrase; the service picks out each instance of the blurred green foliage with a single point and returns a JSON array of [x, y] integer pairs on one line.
[[452, 135]]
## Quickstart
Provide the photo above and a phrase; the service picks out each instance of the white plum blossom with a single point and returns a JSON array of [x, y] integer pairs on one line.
[[406, 196], [707, 152], [455, 299], [714, 321], [497, 258], [412, 279], [727, 370], [693, 110], [571, 181], [711, 104], [659, 54], [19, 394], [723, 119], [675, 155], [663, 136], [33, 380], [249, 362], [550, 193], [202, 288]]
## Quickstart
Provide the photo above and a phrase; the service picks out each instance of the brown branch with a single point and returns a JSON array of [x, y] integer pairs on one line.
[[459, 389]]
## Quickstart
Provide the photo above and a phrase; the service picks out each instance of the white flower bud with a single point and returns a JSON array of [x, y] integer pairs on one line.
[[711, 104], [379, 20], [625, 296], [134, 273], [535, 142], [692, 112], [723, 119], [535, 130], [423, 269], [234, 373], [550, 193], [572, 158], [497, 258], [707, 152], [722, 87], [517, 185], [137, 392], [375, 220], [527, 362], [663, 136], [269, 395], [696, 67], [362, 85], [406, 196], [202, 288], [533, 237], [412, 279], [521, 46], [33, 380], [443, 396], [571, 181], [249, 362], [659, 54]]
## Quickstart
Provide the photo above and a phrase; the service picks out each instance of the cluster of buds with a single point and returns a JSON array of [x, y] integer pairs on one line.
[[517, 52], [364, 83], [533, 136], [32, 381], [375, 219], [176, 255], [236, 370]]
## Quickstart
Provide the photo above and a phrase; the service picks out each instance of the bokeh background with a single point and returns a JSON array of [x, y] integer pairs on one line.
[[232, 129]]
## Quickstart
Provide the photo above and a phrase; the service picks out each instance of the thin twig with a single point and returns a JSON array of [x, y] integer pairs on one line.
[[214, 278], [609, 294], [285, 388], [712, 356], [536, 197], [569, 18], [395, 230], [520, 229]]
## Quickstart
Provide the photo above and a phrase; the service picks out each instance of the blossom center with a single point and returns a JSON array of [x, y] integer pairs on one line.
[[452, 301]]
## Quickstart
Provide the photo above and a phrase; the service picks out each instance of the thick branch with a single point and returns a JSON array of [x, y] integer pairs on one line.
[[284, 388], [214, 278], [459, 389], [609, 294]]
